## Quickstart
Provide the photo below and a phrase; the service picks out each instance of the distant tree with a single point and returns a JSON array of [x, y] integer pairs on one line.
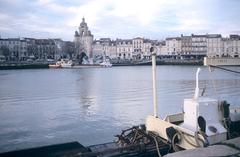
[[81, 57], [5, 51], [69, 48]]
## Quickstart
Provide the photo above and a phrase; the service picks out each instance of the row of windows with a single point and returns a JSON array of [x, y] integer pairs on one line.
[[198, 39], [137, 42], [123, 49], [124, 43], [10, 42], [222, 49]]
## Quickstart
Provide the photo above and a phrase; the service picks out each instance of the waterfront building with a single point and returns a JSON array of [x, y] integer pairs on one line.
[[183, 47], [43, 49], [147, 43], [83, 40], [194, 46], [31, 48], [97, 48], [104, 47], [46, 48], [60, 51], [14, 49], [162, 49], [111, 50], [215, 45], [141, 48], [199, 46], [137, 48], [22, 49], [223, 47], [173, 46], [232, 46], [124, 49], [186, 46]]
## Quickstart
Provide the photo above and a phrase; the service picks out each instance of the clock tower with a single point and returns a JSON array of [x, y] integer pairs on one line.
[[83, 39]]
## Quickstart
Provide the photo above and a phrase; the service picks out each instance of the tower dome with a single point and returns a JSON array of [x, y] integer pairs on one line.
[[83, 23]]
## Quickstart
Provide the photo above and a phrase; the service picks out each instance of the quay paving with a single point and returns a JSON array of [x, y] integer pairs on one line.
[[226, 148]]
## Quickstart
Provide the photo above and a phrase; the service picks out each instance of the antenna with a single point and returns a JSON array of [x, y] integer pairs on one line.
[[196, 94]]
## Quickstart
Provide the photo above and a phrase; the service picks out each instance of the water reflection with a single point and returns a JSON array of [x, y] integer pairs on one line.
[[39, 107]]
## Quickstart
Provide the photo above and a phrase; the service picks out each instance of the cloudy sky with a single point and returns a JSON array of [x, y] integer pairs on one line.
[[155, 19]]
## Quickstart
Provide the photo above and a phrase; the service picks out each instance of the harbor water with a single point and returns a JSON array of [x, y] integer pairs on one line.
[[48, 106]]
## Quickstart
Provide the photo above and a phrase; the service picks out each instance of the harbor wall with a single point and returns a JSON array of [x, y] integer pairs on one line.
[[6, 66], [221, 61]]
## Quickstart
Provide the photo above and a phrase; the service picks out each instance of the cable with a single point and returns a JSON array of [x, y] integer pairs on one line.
[[229, 70]]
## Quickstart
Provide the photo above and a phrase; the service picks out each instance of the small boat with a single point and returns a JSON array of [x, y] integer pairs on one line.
[[55, 66], [65, 63], [106, 63]]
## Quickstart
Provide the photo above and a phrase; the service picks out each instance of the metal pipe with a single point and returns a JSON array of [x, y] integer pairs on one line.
[[197, 87], [153, 51]]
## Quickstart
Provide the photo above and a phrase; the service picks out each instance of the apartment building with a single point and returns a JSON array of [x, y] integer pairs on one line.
[[217, 46], [15, 48]]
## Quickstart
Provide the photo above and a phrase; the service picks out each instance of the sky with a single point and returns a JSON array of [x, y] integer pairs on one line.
[[126, 19]]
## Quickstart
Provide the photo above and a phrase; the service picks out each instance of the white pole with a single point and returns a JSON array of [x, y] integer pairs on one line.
[[196, 94], [153, 50]]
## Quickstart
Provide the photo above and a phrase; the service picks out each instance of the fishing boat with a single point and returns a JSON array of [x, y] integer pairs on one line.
[[204, 122], [55, 66], [65, 63], [106, 63]]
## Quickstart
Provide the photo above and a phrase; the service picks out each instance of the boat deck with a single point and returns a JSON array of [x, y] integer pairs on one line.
[[226, 148]]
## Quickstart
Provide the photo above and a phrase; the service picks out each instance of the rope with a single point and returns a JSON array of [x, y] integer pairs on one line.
[[192, 144], [213, 83], [159, 154], [173, 144], [221, 68], [229, 70]]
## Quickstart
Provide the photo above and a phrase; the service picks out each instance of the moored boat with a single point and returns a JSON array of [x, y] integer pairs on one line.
[[106, 63], [55, 66], [65, 63]]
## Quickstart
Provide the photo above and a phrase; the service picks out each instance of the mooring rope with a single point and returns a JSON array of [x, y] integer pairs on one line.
[[159, 154], [225, 69]]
